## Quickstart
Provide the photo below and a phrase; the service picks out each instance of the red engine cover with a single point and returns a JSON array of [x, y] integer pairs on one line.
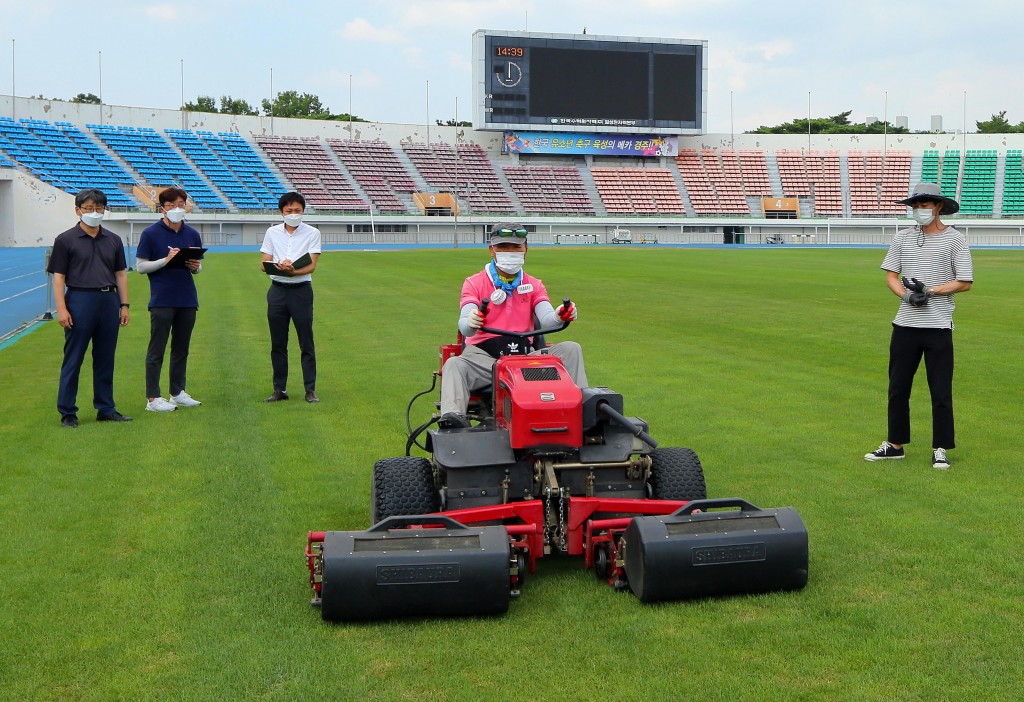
[[536, 400]]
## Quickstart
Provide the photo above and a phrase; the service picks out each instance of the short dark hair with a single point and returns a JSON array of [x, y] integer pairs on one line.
[[95, 194], [289, 198], [171, 194]]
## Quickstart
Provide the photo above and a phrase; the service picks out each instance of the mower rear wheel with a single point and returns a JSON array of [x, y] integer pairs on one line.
[[402, 486], [676, 474]]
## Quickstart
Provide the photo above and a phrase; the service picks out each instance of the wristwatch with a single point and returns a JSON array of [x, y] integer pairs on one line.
[[125, 304]]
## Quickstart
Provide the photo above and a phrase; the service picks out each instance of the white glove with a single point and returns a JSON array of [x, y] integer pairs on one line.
[[475, 320]]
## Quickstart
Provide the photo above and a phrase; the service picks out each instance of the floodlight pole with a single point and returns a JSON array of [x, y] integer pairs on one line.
[[13, 92], [271, 101], [455, 195], [351, 134], [101, 87], [428, 113], [183, 122]]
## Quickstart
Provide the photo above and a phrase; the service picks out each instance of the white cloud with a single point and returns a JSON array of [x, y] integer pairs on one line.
[[162, 13], [360, 29]]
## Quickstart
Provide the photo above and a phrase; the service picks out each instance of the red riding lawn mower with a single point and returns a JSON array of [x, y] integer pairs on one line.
[[550, 468]]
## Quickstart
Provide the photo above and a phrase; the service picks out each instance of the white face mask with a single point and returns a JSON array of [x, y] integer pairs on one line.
[[510, 262], [923, 216], [174, 216], [92, 219], [293, 220]]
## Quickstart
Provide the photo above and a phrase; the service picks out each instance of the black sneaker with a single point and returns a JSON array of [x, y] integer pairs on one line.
[[69, 420], [884, 452], [277, 396], [114, 416], [453, 420], [939, 460]]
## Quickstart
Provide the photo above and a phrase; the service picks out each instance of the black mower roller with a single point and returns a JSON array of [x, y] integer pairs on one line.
[[694, 552], [441, 569]]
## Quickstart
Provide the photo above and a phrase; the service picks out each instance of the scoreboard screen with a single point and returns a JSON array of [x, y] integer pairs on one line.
[[566, 82]]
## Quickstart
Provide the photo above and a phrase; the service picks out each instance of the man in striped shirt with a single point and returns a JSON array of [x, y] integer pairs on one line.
[[926, 265]]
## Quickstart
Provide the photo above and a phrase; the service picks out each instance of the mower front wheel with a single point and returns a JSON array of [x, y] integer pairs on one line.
[[676, 474], [402, 486]]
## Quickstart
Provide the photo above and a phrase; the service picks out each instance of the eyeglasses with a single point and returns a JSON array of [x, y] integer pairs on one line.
[[517, 233], [90, 209], [173, 205]]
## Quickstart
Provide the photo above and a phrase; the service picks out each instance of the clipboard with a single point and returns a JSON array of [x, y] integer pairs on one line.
[[301, 262], [186, 254]]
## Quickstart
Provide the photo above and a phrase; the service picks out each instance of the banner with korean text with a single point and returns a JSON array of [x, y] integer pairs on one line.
[[594, 144]]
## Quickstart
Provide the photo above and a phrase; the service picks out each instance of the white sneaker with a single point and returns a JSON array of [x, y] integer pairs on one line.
[[159, 404], [183, 399]]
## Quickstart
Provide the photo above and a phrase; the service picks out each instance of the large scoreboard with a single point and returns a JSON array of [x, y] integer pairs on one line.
[[588, 83]]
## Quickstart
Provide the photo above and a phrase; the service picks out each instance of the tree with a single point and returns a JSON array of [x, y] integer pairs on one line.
[[836, 124], [87, 98], [232, 106], [999, 125], [291, 104], [453, 123], [203, 103]]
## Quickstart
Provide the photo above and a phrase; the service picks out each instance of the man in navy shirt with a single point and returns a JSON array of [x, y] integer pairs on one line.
[[90, 290], [173, 300]]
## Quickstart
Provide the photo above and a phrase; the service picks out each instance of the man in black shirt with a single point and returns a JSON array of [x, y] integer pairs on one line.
[[90, 289]]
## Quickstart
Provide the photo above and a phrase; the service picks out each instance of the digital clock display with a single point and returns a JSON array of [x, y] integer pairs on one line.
[[510, 51]]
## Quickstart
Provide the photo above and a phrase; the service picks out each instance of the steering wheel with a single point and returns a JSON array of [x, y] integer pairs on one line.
[[526, 334]]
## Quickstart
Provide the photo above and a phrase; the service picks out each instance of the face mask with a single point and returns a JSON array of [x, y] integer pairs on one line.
[[509, 261], [293, 220], [923, 217], [174, 216], [92, 219]]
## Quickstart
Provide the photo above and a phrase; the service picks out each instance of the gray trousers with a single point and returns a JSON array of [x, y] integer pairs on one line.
[[471, 371]]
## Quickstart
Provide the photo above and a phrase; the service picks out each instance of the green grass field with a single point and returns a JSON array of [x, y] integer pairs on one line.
[[163, 559]]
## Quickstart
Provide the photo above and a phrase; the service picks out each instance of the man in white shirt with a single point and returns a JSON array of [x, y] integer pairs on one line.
[[293, 247]]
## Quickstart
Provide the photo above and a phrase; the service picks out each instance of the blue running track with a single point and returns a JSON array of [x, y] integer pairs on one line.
[[23, 286]]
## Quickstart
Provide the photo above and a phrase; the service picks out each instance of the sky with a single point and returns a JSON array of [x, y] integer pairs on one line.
[[409, 61]]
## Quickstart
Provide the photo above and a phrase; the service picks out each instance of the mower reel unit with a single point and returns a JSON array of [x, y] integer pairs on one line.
[[550, 468]]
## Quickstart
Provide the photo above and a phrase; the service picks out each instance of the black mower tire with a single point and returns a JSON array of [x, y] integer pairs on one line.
[[402, 486], [676, 474]]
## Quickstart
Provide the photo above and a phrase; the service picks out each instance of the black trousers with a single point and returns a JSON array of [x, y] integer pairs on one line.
[[291, 303], [176, 322], [906, 348]]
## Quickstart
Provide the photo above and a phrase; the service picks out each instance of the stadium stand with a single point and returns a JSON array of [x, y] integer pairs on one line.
[[950, 173], [877, 182], [226, 171], [478, 184], [59, 154], [713, 188], [313, 173], [1013, 183], [643, 191], [813, 175], [378, 172], [156, 161], [556, 190], [754, 171], [978, 184], [930, 166], [234, 177], [238, 155]]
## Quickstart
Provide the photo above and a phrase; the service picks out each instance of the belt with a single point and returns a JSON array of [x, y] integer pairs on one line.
[[279, 284], [108, 288]]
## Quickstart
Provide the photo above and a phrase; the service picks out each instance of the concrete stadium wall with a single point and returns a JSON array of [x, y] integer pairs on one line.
[[32, 212], [159, 119]]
